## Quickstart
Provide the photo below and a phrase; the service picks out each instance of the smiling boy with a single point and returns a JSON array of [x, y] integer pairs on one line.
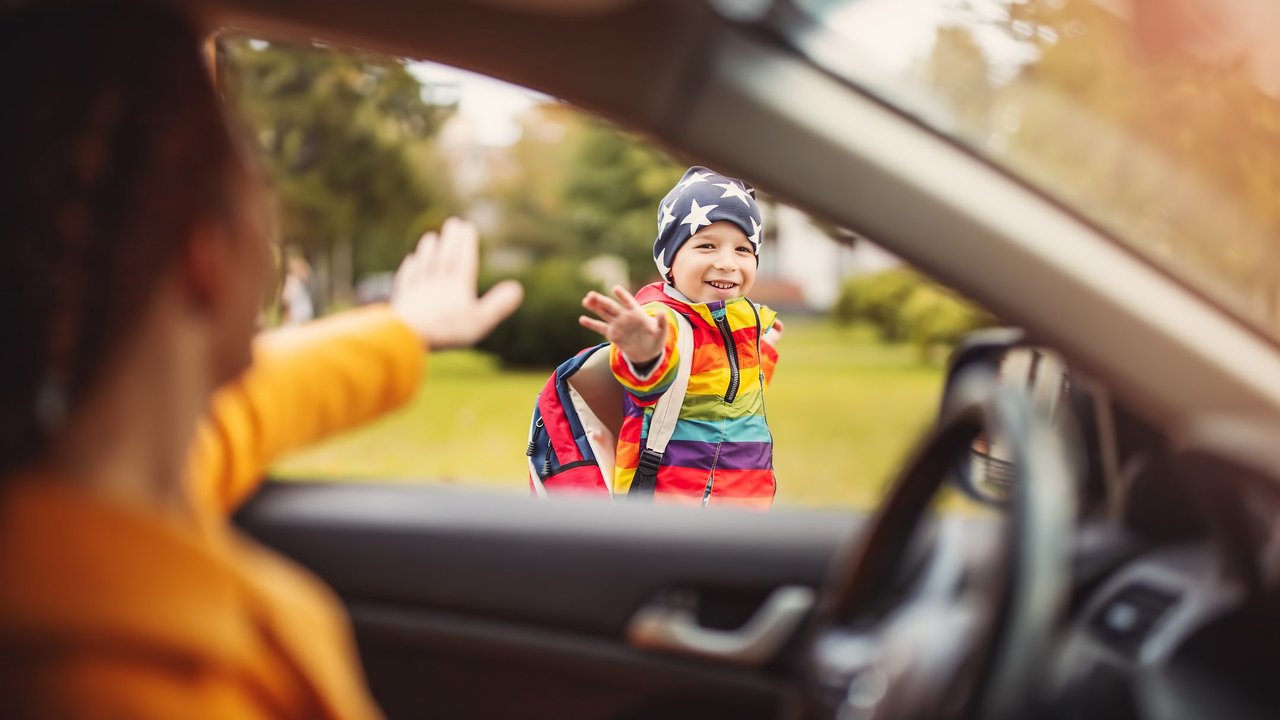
[[707, 251]]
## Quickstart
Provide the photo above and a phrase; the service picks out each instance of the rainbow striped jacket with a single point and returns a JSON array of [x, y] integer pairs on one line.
[[722, 449]]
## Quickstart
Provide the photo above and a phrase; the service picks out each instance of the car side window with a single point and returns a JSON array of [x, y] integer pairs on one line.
[[365, 152]]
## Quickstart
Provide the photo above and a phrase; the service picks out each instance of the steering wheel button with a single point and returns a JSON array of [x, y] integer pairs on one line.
[[1122, 618], [1130, 615]]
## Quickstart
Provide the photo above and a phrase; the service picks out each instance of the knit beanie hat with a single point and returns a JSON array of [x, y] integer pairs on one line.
[[700, 198]]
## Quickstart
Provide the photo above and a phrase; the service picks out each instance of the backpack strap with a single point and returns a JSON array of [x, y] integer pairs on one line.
[[662, 424]]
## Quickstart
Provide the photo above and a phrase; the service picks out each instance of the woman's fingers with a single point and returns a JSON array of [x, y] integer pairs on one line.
[[459, 249], [426, 256], [411, 268], [494, 306]]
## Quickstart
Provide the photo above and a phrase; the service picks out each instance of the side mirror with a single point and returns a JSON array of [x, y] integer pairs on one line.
[[986, 472]]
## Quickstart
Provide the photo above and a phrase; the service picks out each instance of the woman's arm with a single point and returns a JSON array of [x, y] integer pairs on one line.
[[309, 382], [306, 383]]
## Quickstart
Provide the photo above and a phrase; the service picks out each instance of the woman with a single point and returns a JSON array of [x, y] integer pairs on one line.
[[136, 262]]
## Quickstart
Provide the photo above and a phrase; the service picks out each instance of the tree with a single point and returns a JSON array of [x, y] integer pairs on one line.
[[1173, 153], [613, 189], [348, 146], [582, 188]]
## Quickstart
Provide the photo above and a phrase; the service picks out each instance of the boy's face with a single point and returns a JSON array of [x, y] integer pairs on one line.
[[718, 263]]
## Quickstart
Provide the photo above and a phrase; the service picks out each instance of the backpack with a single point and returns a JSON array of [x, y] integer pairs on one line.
[[577, 417]]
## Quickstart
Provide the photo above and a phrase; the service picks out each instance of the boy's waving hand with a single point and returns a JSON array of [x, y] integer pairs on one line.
[[637, 334]]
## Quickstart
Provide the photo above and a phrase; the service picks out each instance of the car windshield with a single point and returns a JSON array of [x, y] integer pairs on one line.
[[1160, 124]]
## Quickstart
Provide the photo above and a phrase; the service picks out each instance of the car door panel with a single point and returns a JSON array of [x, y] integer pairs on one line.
[[494, 605]]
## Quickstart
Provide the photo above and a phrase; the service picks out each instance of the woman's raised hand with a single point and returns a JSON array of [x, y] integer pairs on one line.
[[435, 289]]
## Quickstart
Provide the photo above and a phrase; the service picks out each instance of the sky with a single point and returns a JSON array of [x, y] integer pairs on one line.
[[899, 34], [491, 107]]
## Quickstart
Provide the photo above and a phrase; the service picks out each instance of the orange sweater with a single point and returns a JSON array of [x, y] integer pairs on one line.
[[109, 612]]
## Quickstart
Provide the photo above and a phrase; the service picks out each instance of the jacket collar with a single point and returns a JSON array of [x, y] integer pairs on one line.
[[668, 295]]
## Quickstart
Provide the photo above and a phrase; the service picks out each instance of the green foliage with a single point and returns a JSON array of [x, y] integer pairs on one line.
[[934, 316], [1173, 152], [905, 306], [877, 299], [348, 147], [544, 331], [583, 188], [614, 186]]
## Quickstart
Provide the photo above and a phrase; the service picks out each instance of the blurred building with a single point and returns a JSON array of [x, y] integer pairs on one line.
[[802, 266]]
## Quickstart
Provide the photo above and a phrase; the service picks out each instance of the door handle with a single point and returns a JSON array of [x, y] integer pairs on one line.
[[673, 629]]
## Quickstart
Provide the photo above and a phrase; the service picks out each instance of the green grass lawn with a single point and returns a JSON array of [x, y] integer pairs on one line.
[[843, 407]]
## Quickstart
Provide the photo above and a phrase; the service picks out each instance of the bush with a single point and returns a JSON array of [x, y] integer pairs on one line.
[[544, 331], [878, 300], [906, 306], [933, 316]]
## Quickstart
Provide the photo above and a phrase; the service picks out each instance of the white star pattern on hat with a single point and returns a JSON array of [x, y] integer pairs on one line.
[[697, 216], [694, 178], [667, 218], [733, 189], [754, 237]]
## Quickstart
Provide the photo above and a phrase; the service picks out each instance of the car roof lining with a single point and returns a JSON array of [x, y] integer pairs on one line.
[[626, 63]]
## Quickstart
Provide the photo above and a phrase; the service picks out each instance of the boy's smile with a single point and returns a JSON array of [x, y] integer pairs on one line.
[[716, 264]]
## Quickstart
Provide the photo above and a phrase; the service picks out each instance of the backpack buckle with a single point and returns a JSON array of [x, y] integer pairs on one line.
[[649, 461]]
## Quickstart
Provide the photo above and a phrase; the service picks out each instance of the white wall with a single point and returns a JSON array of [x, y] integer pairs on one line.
[[806, 256]]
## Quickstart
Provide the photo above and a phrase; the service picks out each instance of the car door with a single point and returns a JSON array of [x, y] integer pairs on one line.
[[487, 605]]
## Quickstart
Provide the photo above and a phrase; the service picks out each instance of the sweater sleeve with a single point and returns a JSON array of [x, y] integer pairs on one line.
[[647, 388], [306, 383]]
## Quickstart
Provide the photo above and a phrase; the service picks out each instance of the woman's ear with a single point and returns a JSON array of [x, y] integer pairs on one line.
[[206, 265], [222, 279]]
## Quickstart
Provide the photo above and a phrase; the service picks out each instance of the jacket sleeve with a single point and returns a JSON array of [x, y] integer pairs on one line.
[[648, 387], [768, 361], [768, 350], [306, 383]]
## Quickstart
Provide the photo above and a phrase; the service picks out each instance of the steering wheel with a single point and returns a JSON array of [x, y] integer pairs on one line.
[[970, 636]]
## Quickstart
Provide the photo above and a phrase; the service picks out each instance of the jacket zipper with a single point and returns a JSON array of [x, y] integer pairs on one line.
[[731, 350]]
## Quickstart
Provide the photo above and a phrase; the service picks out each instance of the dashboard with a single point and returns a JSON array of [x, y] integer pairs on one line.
[[1183, 623]]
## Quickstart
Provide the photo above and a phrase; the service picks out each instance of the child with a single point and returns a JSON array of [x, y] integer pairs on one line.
[[707, 250]]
